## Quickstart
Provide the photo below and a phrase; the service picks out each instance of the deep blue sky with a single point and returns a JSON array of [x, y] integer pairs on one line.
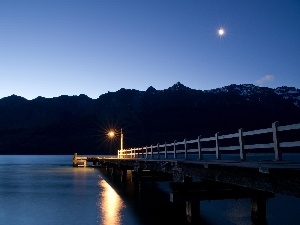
[[69, 47]]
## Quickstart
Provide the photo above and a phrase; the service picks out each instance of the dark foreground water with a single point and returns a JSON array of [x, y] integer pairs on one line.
[[47, 190]]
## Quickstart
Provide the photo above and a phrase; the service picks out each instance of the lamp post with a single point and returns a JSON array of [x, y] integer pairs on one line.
[[112, 134], [121, 139]]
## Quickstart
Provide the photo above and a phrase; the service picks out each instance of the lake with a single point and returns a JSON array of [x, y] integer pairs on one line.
[[39, 189]]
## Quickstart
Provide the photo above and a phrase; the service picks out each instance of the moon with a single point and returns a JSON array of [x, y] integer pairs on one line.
[[221, 32]]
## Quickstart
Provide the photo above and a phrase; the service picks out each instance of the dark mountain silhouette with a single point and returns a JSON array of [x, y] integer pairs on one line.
[[68, 124]]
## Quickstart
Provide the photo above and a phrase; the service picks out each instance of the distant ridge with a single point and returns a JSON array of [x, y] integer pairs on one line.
[[68, 124], [288, 93]]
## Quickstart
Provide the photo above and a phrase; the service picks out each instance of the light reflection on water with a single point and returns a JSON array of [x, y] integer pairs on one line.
[[110, 204]]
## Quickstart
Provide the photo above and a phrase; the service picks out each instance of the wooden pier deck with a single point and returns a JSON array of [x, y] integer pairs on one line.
[[282, 177], [191, 163]]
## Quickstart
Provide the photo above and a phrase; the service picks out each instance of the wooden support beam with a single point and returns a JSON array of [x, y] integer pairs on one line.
[[123, 175], [150, 175], [259, 210], [192, 210], [212, 191]]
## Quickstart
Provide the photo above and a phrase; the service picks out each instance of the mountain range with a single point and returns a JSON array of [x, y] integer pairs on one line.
[[68, 124]]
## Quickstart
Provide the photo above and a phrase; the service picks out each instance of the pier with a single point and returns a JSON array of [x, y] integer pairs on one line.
[[196, 172]]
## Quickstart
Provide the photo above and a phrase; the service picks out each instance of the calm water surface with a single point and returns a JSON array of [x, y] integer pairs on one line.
[[47, 190]]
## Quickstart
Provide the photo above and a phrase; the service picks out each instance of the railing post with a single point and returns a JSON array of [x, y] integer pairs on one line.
[[151, 151], [146, 152], [166, 151], [199, 148], [175, 149], [218, 154], [158, 150], [185, 149], [241, 141], [277, 150], [142, 153]]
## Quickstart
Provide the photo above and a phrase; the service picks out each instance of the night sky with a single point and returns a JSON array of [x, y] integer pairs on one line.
[[69, 47]]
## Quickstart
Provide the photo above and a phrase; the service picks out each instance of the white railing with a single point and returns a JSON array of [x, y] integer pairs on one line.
[[161, 151]]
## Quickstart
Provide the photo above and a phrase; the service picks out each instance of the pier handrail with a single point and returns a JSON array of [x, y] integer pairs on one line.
[[241, 148]]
